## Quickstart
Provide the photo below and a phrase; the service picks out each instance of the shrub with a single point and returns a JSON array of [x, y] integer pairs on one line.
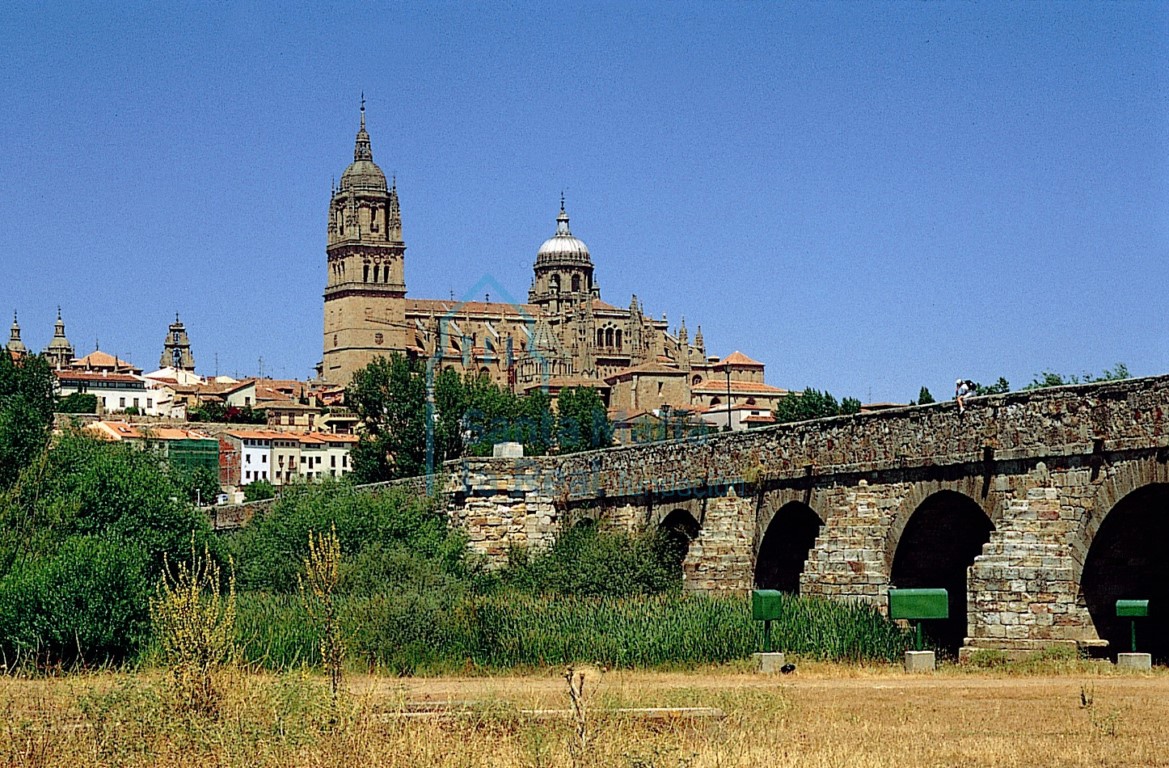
[[259, 490], [270, 550], [77, 402], [589, 562], [85, 605]]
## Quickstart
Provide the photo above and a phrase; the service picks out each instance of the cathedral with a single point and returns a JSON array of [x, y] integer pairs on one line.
[[565, 335]]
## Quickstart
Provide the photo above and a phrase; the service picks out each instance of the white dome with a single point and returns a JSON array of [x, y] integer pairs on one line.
[[562, 244]]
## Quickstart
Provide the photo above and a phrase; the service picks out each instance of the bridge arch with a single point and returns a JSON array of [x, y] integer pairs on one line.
[[1127, 558], [678, 529], [935, 547], [784, 547]]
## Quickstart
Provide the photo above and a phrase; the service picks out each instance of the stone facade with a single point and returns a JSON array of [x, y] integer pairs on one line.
[[564, 334]]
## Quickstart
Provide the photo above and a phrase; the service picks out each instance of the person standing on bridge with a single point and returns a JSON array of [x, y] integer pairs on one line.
[[963, 388]]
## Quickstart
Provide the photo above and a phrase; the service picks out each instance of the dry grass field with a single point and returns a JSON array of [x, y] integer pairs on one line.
[[1078, 714]]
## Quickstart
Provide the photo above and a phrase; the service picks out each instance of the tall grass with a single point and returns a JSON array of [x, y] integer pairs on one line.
[[420, 633]]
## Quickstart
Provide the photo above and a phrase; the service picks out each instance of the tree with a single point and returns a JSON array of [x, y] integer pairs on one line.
[[1051, 379], [389, 396], [259, 490], [77, 402], [27, 402], [582, 424], [199, 485], [924, 397], [1000, 387], [813, 404]]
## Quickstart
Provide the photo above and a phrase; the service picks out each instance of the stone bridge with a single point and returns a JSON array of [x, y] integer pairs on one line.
[[1037, 510]]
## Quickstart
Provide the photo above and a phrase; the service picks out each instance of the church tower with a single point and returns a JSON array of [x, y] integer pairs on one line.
[[59, 353], [366, 286], [176, 350], [15, 345]]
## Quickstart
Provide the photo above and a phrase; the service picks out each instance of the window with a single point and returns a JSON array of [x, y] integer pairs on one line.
[[576, 283], [247, 458], [264, 458], [248, 475], [332, 461], [345, 460], [135, 402], [121, 402], [247, 401]]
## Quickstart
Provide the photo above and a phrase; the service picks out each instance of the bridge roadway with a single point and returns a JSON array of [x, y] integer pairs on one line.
[[1037, 510]]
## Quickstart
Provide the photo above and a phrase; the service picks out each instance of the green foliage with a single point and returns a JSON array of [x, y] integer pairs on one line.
[[469, 415], [588, 562], [582, 423], [27, 402], [259, 490], [924, 397], [389, 396], [1000, 387], [198, 485], [434, 632], [88, 487], [813, 404], [269, 553], [1050, 379], [77, 402], [84, 604]]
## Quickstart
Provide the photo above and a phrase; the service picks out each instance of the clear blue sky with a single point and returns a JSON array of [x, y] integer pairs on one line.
[[867, 197]]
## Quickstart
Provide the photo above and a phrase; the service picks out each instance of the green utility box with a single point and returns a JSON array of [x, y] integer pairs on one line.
[[765, 607], [917, 605], [765, 604], [1132, 609]]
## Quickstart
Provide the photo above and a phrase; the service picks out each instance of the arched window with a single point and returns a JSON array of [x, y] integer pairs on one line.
[[576, 283], [555, 283], [715, 401], [696, 381], [600, 337], [618, 339], [608, 337], [375, 269], [365, 274]]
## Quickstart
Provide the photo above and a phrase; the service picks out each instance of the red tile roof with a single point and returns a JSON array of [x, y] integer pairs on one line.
[[738, 358], [716, 387]]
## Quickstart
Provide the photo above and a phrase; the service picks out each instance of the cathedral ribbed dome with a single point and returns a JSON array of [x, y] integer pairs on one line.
[[562, 246]]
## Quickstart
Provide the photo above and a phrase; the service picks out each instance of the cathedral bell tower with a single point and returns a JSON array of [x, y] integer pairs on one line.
[[366, 286]]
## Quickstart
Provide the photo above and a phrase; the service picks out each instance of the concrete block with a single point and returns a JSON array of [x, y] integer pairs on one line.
[[1141, 662], [767, 663], [920, 661], [508, 450]]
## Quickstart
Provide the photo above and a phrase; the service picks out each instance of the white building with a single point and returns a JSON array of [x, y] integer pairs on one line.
[[116, 392]]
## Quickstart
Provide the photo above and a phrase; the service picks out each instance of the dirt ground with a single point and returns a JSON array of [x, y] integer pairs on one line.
[[821, 715]]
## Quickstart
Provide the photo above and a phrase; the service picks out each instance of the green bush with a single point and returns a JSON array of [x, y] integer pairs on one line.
[[589, 562], [87, 604], [89, 487], [77, 402], [259, 490], [269, 553]]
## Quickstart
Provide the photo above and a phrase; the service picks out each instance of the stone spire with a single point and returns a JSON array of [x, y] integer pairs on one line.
[[683, 334], [15, 345], [395, 212], [59, 353], [362, 149], [699, 343]]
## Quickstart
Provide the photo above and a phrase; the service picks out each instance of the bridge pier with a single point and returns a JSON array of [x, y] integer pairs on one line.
[[1023, 590], [719, 559], [846, 561]]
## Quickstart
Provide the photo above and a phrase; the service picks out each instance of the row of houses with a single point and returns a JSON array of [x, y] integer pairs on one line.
[[240, 456]]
